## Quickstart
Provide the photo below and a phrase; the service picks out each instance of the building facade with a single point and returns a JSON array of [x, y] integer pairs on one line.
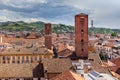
[[81, 35], [23, 58], [48, 37]]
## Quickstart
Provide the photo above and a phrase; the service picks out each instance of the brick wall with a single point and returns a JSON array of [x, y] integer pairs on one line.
[[81, 35]]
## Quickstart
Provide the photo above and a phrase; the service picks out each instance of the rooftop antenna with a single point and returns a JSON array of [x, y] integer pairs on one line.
[[92, 27], [92, 23]]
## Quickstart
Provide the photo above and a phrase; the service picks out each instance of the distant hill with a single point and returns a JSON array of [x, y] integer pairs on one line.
[[21, 25], [57, 28]]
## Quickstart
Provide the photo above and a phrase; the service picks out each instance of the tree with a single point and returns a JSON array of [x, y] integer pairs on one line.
[[17, 36], [114, 34], [102, 56]]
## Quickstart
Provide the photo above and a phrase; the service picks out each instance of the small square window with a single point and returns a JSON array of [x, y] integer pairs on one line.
[[82, 49]]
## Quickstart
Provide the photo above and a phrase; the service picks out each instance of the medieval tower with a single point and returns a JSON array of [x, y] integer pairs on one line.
[[48, 37], [81, 35]]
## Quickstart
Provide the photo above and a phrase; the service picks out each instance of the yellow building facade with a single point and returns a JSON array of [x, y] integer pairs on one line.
[[23, 58]]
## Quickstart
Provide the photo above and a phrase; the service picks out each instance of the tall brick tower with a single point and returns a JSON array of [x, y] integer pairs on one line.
[[81, 35], [48, 37]]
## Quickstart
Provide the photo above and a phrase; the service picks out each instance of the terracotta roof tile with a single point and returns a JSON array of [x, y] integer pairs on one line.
[[65, 53], [117, 67], [96, 63], [17, 70], [68, 75], [116, 61], [56, 65]]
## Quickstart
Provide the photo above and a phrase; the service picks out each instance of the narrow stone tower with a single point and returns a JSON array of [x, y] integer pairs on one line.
[[48, 37], [81, 35]]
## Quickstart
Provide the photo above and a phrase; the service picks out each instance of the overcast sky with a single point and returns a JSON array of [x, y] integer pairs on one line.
[[105, 13]]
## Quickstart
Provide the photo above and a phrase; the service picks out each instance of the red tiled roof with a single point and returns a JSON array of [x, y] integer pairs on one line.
[[68, 75], [57, 65], [117, 67], [116, 61], [65, 53]]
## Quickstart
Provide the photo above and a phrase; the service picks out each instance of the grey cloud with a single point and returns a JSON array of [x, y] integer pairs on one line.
[[104, 13]]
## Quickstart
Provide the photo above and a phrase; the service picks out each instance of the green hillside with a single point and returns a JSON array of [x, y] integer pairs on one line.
[[56, 28]]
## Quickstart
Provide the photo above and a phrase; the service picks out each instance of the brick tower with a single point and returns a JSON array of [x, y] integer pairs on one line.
[[48, 37], [81, 35]]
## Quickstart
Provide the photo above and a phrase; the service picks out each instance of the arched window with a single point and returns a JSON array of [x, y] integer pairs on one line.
[[82, 49], [82, 42], [82, 33]]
